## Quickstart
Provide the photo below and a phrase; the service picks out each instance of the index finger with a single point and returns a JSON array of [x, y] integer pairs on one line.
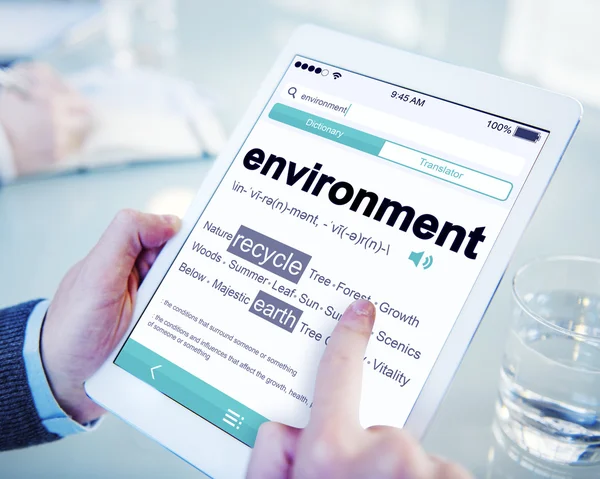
[[127, 236], [339, 379]]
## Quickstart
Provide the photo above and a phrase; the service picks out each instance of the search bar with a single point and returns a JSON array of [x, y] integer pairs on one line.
[[317, 100], [469, 150]]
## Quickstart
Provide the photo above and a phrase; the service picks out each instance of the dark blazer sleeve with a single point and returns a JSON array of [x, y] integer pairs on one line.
[[20, 425]]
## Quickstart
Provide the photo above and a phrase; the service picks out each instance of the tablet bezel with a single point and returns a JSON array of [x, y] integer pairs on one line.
[[215, 452]]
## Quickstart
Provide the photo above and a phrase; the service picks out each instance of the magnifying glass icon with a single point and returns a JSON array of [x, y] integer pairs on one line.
[[292, 92]]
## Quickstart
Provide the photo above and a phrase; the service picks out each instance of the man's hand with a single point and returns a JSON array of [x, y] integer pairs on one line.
[[94, 304], [46, 121], [334, 444]]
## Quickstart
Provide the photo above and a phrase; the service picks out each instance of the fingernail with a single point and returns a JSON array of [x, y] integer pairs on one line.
[[172, 220], [362, 307]]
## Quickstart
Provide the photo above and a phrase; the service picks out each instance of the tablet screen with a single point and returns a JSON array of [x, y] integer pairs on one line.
[[346, 187]]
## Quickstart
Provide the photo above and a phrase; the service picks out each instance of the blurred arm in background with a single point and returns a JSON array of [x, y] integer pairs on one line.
[[42, 120]]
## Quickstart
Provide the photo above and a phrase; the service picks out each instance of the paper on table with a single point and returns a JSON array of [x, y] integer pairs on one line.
[[144, 115], [121, 136]]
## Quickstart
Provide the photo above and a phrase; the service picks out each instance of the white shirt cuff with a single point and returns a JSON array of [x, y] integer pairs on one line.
[[8, 172], [54, 419]]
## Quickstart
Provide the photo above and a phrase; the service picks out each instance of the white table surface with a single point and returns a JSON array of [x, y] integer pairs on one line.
[[48, 224]]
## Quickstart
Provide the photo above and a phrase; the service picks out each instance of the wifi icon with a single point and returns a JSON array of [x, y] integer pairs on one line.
[[417, 257], [337, 75]]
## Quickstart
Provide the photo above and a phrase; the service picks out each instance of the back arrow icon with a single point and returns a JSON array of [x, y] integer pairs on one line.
[[152, 370]]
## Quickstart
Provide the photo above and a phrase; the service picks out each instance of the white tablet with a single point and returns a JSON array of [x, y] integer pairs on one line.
[[359, 171]]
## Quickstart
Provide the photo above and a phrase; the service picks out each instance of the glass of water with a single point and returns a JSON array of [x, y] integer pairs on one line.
[[549, 398]]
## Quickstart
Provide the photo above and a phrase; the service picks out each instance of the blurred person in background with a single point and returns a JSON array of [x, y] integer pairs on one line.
[[42, 120]]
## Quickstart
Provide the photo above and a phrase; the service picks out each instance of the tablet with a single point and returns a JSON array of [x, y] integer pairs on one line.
[[359, 171]]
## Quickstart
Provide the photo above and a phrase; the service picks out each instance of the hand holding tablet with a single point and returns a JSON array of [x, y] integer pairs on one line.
[[93, 305], [334, 444]]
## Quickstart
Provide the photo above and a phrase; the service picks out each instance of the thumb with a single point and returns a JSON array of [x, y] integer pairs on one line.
[[273, 454], [127, 236]]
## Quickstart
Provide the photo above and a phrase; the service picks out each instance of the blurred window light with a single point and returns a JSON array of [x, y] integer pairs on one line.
[[119, 30], [555, 43], [141, 31], [413, 24], [27, 29], [401, 22]]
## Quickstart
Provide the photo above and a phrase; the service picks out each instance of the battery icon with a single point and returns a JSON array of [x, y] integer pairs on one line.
[[526, 134]]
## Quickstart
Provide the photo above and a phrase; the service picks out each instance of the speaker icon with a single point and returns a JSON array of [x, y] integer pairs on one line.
[[428, 262], [417, 257]]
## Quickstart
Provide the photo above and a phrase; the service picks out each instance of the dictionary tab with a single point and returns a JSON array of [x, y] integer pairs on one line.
[[331, 130]]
